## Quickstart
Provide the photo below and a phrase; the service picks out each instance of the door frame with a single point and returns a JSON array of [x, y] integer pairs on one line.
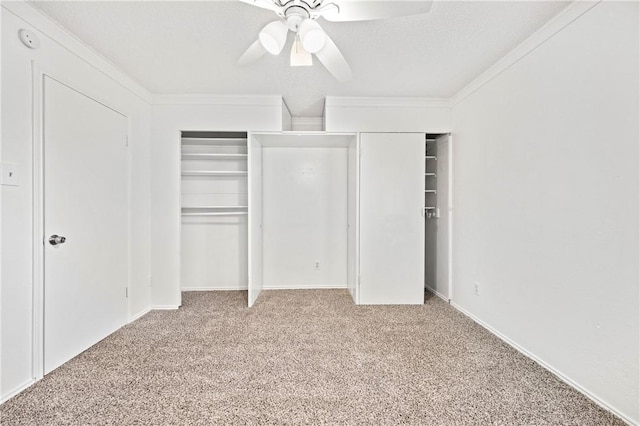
[[39, 73]]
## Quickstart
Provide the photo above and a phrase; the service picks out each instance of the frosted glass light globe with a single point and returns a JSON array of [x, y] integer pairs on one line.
[[312, 36]]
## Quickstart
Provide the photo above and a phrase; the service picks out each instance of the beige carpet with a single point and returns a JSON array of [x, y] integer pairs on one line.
[[301, 357]]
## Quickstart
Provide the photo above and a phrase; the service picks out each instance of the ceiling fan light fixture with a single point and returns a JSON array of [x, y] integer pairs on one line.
[[299, 56], [312, 36], [273, 37], [328, 10]]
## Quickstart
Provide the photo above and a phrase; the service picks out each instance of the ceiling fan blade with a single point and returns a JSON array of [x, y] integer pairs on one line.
[[264, 4], [367, 10], [252, 54], [333, 61]]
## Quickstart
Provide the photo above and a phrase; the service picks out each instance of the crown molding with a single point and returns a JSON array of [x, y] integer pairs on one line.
[[73, 44], [228, 100], [58, 34], [377, 102], [566, 17]]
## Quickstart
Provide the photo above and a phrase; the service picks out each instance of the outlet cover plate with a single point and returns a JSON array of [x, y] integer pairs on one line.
[[9, 175]]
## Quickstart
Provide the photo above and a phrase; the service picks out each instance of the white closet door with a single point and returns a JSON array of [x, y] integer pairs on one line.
[[85, 201], [443, 237], [391, 223], [255, 218]]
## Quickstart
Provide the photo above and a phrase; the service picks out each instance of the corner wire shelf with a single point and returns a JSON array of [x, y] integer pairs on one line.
[[430, 211]]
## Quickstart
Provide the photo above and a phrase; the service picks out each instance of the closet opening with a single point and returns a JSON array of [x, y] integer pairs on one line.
[[214, 210], [437, 213], [302, 211]]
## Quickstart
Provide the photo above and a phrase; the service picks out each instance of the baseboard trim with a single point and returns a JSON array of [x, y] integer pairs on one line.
[[440, 295], [139, 315], [306, 287], [221, 288], [544, 365], [17, 390], [164, 307], [270, 287]]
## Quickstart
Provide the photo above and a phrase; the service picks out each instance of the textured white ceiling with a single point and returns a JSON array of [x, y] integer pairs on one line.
[[185, 47]]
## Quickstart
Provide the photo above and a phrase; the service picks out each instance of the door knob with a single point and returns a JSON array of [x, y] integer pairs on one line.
[[54, 240]]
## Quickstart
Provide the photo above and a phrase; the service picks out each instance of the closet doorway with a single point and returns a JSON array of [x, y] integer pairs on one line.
[[302, 211], [437, 211], [214, 210]]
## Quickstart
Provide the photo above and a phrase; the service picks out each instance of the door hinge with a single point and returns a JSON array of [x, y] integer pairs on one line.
[[126, 292], [126, 142]]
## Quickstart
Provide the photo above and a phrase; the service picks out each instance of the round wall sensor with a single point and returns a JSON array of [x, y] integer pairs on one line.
[[29, 39]]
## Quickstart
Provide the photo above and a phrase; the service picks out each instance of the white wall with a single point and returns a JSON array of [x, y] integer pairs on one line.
[[546, 204], [345, 114], [305, 217], [287, 120], [67, 59], [307, 124], [171, 115], [214, 253]]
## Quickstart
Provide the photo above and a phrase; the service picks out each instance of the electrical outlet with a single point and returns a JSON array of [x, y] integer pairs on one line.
[[9, 175], [316, 265], [476, 288]]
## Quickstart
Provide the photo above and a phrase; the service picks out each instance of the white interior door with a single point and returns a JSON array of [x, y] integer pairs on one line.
[[255, 219], [391, 223], [443, 223], [85, 202]]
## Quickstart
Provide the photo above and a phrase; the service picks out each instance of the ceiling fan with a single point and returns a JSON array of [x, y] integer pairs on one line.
[[301, 18]]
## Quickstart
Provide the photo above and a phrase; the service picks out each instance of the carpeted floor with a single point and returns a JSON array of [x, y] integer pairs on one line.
[[301, 357]]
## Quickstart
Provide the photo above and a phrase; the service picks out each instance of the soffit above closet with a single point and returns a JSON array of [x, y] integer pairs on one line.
[[182, 47], [304, 139]]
